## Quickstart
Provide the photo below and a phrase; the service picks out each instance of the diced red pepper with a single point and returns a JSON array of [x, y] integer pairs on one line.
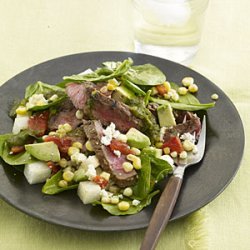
[[16, 150], [55, 168], [62, 143], [121, 146], [38, 123], [161, 89], [100, 181], [174, 143]]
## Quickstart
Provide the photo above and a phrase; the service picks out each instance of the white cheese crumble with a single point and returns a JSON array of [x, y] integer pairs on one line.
[[162, 133], [78, 158], [36, 100], [168, 159], [188, 136], [117, 153], [135, 203], [91, 172], [109, 133]]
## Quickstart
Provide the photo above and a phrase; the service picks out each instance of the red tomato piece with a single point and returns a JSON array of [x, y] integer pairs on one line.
[[161, 89], [121, 146], [38, 123], [62, 143], [100, 181], [174, 143]]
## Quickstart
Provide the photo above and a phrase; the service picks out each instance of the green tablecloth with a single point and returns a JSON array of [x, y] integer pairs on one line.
[[33, 31]]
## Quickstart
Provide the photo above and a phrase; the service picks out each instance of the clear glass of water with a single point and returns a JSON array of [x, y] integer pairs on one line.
[[168, 28]]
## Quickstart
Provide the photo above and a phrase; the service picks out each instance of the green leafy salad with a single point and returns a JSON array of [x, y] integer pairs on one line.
[[111, 134]]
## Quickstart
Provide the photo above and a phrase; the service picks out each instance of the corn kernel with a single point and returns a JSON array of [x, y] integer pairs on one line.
[[89, 146], [68, 176], [79, 114], [187, 81], [62, 183], [52, 133], [105, 175], [53, 97], [63, 163], [114, 199], [158, 144], [174, 154], [175, 97], [111, 87], [167, 96], [195, 150], [113, 82], [136, 161], [73, 150], [136, 151], [105, 199], [77, 144], [21, 110], [67, 127], [127, 166], [182, 91], [128, 192], [193, 88], [188, 145], [166, 150], [123, 205], [183, 155], [167, 85], [214, 97]]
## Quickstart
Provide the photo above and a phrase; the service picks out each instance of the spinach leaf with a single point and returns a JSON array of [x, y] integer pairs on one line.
[[146, 74], [3, 139], [143, 185], [184, 106], [101, 74], [114, 210], [51, 186], [19, 139], [42, 88]]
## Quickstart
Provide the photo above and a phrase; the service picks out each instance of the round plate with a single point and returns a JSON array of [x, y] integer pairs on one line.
[[202, 182]]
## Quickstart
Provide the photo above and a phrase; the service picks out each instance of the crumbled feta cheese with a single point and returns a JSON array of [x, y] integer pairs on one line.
[[92, 160], [36, 100], [104, 193], [106, 140], [78, 158], [109, 133], [168, 159], [135, 203], [117, 153], [162, 133], [188, 136], [53, 97], [91, 172]]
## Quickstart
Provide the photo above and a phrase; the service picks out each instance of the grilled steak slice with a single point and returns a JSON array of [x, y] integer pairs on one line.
[[107, 110], [191, 125], [66, 114], [109, 161]]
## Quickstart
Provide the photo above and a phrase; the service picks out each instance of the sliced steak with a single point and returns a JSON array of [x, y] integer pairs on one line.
[[66, 114], [109, 161], [107, 110], [191, 125]]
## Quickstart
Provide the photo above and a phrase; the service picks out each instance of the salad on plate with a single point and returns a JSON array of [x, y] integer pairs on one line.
[[111, 134]]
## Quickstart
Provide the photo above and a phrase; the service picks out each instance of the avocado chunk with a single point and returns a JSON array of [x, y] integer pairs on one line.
[[123, 94], [137, 139], [157, 152], [166, 116], [45, 151]]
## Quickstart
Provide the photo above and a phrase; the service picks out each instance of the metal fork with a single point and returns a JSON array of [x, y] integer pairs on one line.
[[170, 194]]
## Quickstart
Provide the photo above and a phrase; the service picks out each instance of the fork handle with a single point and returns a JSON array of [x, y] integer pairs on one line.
[[162, 213]]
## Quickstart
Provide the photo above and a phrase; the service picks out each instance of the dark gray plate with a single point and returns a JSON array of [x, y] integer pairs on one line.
[[202, 183]]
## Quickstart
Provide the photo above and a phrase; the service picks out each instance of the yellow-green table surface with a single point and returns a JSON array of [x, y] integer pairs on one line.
[[33, 31]]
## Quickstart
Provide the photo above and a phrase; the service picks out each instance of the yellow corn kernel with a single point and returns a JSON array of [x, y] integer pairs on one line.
[[21, 110], [114, 199], [77, 144], [128, 192], [68, 176], [111, 87], [187, 81], [136, 151], [182, 91], [167, 85], [105, 175], [136, 161], [113, 82], [105, 199], [123, 205], [79, 114], [193, 88], [73, 150], [62, 183], [158, 144], [174, 154], [127, 166], [214, 97], [188, 145], [63, 163], [166, 150], [183, 155], [67, 127], [89, 146]]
